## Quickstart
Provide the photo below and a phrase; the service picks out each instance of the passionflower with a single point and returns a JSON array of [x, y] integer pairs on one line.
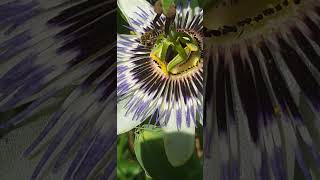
[[159, 74], [262, 89], [58, 60]]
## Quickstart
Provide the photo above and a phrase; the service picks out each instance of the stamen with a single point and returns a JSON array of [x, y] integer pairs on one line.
[[155, 54], [182, 50]]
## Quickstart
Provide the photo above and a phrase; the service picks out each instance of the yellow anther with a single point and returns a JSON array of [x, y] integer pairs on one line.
[[162, 65], [192, 47]]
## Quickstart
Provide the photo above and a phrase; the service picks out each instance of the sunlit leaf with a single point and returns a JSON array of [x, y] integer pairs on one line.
[[149, 149]]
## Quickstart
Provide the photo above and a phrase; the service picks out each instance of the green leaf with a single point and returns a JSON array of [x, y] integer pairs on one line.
[[121, 23], [150, 152]]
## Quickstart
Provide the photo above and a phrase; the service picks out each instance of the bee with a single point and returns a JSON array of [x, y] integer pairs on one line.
[[149, 38]]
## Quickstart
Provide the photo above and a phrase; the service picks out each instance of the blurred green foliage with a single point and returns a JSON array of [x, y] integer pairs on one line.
[[128, 167]]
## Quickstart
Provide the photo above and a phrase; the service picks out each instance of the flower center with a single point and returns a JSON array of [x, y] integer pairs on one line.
[[176, 52]]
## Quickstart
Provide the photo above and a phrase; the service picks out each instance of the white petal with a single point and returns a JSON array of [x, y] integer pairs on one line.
[[125, 121], [135, 11], [179, 144]]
